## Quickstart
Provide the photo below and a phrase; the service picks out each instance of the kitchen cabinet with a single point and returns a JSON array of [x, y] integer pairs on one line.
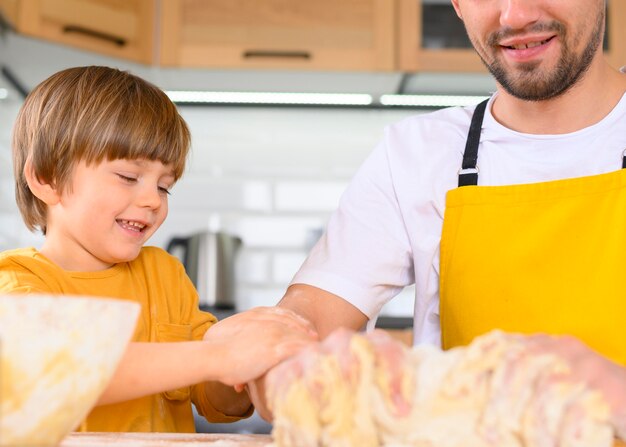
[[281, 34], [119, 28], [361, 35], [432, 38], [616, 33], [8, 8]]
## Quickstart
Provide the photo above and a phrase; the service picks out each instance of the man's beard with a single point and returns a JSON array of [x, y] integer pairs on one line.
[[531, 84]]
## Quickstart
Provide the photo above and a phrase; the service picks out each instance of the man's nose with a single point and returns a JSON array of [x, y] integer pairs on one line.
[[517, 14]]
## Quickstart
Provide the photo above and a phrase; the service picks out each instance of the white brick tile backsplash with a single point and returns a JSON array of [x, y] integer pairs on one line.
[[7, 194], [252, 267], [308, 196], [248, 297], [276, 231], [257, 196], [13, 233], [221, 194], [402, 305], [285, 265]]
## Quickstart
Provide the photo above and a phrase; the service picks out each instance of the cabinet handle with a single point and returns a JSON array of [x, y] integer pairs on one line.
[[251, 54], [119, 41]]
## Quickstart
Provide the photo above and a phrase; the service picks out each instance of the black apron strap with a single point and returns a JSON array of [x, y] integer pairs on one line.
[[468, 174], [624, 159]]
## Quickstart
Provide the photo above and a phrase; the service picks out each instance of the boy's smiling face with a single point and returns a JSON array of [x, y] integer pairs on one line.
[[107, 214]]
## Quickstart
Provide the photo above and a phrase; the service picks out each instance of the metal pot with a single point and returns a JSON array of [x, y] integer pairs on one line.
[[209, 260]]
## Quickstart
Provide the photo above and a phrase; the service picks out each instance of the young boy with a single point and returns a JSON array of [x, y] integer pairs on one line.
[[96, 152]]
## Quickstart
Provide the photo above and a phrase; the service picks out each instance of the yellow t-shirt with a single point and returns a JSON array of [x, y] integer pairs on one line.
[[169, 312]]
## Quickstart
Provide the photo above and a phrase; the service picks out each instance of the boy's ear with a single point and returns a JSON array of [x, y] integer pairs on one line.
[[45, 192], [455, 4]]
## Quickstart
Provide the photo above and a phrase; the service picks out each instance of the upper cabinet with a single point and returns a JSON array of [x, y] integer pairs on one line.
[[9, 10], [119, 28], [305, 34], [432, 38], [615, 42], [363, 35]]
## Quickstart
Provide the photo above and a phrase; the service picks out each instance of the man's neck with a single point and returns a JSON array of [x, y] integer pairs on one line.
[[586, 103]]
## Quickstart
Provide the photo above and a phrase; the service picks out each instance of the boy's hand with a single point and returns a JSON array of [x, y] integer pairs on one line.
[[251, 342]]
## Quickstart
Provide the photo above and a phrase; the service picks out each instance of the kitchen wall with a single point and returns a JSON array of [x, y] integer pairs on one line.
[[272, 176]]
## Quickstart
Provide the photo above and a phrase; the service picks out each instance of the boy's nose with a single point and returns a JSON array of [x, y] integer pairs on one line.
[[518, 14], [150, 197]]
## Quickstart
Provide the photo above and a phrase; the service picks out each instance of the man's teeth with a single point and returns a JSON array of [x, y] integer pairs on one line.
[[133, 225], [524, 46]]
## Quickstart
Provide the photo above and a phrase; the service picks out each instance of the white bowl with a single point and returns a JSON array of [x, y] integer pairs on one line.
[[57, 355]]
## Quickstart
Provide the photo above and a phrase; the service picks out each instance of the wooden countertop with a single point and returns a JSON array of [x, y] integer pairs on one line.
[[165, 440], [175, 440]]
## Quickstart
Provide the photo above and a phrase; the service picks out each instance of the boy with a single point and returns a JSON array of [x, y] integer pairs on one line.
[[96, 152]]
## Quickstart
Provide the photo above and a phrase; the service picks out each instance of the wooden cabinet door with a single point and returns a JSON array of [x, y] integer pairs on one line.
[[8, 9], [616, 33], [301, 34], [120, 28], [445, 51], [415, 54]]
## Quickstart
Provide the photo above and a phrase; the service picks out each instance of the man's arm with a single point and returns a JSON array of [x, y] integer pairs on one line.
[[323, 309]]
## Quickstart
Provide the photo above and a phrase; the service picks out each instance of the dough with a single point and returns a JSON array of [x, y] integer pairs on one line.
[[370, 390]]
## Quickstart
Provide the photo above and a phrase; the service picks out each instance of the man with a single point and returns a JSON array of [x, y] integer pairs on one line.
[[517, 223]]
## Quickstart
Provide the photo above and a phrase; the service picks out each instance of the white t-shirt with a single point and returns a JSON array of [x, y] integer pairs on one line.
[[385, 234]]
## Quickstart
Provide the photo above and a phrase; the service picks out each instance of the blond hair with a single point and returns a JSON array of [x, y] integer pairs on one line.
[[91, 114]]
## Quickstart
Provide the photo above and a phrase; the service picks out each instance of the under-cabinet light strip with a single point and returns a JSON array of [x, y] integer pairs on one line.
[[430, 100], [320, 99], [200, 97]]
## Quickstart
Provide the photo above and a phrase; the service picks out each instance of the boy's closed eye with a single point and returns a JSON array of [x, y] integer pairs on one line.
[[165, 190], [128, 179]]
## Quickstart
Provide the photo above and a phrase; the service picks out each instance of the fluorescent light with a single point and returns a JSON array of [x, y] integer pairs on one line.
[[4, 93], [319, 99], [204, 97], [430, 100]]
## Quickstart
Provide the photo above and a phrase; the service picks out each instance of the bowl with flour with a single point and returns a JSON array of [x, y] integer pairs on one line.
[[57, 355]]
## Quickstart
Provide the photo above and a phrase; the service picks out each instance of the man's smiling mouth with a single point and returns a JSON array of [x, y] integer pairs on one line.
[[524, 46]]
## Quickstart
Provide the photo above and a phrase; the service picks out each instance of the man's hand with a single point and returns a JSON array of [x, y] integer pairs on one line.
[[591, 368], [249, 343]]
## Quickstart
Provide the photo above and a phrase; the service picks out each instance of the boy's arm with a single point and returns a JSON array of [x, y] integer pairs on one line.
[[150, 368], [234, 351]]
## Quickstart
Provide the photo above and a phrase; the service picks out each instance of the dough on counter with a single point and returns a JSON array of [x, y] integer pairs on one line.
[[370, 390]]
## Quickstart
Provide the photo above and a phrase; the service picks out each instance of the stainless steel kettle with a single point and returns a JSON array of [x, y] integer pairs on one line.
[[209, 260]]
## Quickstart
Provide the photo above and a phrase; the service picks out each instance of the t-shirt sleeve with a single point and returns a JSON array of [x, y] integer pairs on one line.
[[205, 408], [365, 254], [17, 277]]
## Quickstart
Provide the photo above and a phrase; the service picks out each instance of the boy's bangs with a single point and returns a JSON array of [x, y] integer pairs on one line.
[[152, 131], [164, 142]]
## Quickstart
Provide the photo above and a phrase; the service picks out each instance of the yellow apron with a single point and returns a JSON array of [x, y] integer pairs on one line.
[[546, 257]]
